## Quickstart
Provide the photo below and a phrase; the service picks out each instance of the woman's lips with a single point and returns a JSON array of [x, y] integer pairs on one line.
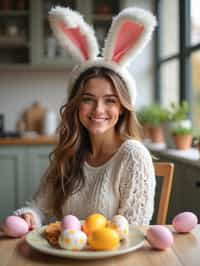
[[94, 119]]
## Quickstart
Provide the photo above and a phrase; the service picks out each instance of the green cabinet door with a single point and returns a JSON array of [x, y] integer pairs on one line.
[[11, 179], [38, 161], [190, 184], [21, 168]]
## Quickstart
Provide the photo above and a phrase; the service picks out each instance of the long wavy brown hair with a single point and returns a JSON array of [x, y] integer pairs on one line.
[[66, 161]]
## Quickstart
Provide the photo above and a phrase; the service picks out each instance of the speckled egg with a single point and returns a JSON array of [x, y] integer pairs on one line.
[[184, 222], [159, 237], [72, 239], [15, 226], [120, 223], [70, 222]]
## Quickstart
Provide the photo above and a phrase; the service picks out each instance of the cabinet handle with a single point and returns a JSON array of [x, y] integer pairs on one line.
[[197, 183]]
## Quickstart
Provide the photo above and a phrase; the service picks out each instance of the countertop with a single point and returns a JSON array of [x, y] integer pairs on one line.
[[190, 156], [38, 140]]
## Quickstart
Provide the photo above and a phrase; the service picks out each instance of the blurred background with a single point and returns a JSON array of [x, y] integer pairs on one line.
[[34, 68], [33, 86]]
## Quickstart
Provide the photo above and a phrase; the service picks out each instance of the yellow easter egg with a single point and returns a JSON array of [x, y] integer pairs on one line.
[[104, 239]]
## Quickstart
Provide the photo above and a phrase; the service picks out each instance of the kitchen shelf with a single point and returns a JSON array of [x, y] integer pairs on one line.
[[104, 17], [13, 42], [38, 48], [15, 34], [33, 67], [14, 13]]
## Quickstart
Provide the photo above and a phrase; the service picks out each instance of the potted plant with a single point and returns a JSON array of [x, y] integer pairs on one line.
[[177, 118], [143, 117], [156, 116], [182, 137]]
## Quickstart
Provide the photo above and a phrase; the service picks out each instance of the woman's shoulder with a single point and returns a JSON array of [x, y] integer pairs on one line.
[[134, 148]]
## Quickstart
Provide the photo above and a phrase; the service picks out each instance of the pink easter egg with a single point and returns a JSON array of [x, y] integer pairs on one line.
[[184, 222], [15, 226], [159, 237], [70, 222]]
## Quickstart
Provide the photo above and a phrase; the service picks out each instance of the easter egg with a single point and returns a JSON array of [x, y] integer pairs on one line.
[[159, 237], [104, 239], [184, 222], [120, 223], [93, 222], [70, 222], [72, 239], [15, 226]]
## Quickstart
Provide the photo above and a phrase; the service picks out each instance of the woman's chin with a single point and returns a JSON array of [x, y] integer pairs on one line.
[[97, 131]]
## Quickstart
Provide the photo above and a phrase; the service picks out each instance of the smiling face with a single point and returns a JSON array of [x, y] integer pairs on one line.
[[99, 107]]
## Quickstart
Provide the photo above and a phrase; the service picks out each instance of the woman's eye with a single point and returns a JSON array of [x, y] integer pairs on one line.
[[111, 101], [86, 100]]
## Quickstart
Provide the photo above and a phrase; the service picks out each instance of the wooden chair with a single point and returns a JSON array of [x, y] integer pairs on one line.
[[166, 171]]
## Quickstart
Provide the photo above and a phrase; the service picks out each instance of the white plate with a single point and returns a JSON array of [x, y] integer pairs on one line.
[[38, 242]]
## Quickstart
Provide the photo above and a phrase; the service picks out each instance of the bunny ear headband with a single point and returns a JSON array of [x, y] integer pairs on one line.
[[129, 33]]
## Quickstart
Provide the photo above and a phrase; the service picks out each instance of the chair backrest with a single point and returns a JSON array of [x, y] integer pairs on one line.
[[166, 171]]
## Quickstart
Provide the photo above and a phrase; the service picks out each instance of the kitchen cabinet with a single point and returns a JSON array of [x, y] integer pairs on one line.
[[26, 40], [21, 167], [14, 32]]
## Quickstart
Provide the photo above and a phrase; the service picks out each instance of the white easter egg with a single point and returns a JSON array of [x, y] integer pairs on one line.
[[122, 226], [72, 239]]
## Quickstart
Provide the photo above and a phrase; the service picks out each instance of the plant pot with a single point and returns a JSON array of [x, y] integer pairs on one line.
[[156, 134], [182, 142], [145, 131], [167, 128]]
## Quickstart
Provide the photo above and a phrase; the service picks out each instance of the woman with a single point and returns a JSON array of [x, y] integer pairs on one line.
[[99, 165]]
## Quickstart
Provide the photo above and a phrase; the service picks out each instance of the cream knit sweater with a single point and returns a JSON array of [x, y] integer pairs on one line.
[[124, 185]]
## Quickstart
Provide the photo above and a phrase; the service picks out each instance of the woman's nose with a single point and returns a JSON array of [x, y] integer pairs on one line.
[[99, 106]]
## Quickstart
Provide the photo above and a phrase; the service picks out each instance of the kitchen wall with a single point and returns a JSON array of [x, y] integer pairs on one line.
[[19, 89]]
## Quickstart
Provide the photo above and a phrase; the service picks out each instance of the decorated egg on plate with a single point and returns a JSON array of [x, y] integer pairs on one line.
[[159, 237], [94, 222], [120, 223], [72, 239], [104, 239], [70, 222], [15, 226], [184, 222]]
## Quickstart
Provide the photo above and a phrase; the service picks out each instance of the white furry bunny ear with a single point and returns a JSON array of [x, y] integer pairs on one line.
[[73, 33], [129, 33]]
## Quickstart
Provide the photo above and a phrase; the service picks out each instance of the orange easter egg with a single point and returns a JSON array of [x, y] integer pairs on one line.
[[94, 222]]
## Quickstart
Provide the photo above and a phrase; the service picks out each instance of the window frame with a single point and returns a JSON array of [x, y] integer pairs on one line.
[[183, 56]]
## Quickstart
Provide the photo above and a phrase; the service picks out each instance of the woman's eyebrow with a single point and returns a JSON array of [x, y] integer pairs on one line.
[[106, 95]]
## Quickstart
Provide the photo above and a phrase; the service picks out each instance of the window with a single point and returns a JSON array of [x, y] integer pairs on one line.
[[178, 54]]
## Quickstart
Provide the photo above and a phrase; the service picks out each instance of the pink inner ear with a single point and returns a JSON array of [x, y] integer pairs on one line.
[[128, 35], [77, 38]]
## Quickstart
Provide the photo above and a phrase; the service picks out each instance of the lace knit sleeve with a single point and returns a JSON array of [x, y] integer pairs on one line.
[[41, 204], [137, 187]]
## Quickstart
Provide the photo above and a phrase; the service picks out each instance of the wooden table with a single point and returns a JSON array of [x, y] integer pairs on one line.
[[185, 251]]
